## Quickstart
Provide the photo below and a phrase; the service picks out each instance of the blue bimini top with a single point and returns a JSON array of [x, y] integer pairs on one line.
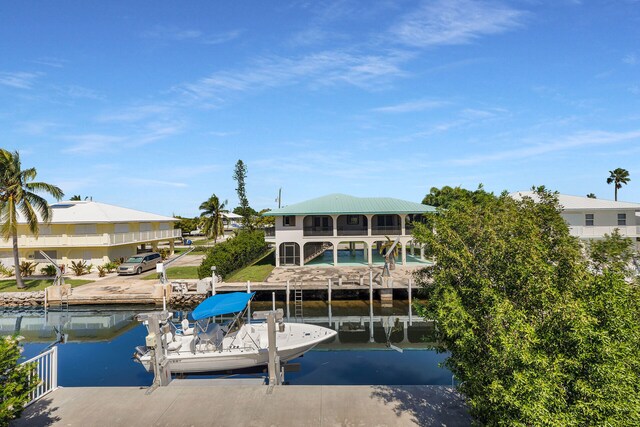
[[222, 304]]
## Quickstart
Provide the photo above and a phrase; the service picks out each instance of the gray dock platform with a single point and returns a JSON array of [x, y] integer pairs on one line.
[[249, 405]]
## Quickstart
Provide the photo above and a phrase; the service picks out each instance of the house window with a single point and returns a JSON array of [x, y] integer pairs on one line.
[[353, 219], [289, 221], [589, 220], [622, 219]]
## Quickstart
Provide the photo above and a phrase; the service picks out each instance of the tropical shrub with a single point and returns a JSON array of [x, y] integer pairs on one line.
[[27, 268], [48, 270], [81, 267], [164, 253], [111, 266], [535, 335], [6, 271], [15, 380], [233, 254], [102, 271]]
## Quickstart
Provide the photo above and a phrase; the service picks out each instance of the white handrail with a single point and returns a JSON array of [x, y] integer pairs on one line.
[[47, 371]]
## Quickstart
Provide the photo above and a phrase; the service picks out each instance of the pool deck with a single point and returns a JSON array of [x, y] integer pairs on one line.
[[249, 405]]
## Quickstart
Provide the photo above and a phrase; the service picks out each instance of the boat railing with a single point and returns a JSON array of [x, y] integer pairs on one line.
[[45, 368]]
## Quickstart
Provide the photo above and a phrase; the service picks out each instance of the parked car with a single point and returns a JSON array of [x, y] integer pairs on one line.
[[139, 263]]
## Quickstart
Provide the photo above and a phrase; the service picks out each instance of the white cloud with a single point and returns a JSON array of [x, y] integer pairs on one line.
[[631, 59], [177, 34], [154, 182], [580, 139], [19, 80], [134, 114], [451, 22], [50, 62], [322, 68], [92, 143], [410, 106]]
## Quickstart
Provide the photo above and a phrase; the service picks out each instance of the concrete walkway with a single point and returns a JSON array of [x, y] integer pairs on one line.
[[250, 405]]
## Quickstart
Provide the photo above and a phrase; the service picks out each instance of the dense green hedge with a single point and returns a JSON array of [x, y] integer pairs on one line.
[[234, 253]]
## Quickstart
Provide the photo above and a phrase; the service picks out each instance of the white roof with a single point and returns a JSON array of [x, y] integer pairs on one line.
[[231, 215], [72, 212], [582, 203]]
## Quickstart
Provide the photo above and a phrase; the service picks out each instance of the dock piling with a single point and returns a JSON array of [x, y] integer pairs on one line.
[[410, 303], [329, 288], [273, 301], [288, 300]]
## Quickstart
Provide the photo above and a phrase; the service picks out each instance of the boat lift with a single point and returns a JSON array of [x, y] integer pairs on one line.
[[159, 326]]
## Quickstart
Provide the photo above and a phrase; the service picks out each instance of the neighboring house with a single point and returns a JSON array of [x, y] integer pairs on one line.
[[231, 221], [593, 218], [90, 231], [344, 230]]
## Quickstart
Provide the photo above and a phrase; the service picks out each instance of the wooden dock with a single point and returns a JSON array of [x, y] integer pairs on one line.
[[249, 405]]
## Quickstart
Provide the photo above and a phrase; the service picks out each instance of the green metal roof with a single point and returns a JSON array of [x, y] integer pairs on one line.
[[337, 204]]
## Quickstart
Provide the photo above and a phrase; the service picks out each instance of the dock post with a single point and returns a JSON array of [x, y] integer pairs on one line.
[[361, 280], [273, 301], [371, 290], [410, 303], [213, 280], [329, 282], [288, 300], [274, 361], [249, 304]]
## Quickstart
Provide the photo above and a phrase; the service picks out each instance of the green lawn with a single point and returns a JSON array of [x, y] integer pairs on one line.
[[37, 284], [256, 272], [186, 272]]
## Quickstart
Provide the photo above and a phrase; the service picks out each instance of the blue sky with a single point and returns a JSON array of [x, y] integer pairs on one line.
[[149, 104]]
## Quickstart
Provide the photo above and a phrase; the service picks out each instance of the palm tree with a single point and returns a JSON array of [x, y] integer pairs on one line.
[[591, 196], [75, 198], [618, 176], [389, 256], [212, 217], [18, 193]]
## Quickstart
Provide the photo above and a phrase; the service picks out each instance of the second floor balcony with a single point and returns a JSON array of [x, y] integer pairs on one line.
[[89, 240]]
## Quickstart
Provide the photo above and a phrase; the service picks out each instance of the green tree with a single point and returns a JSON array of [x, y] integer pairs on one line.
[[535, 337], [262, 221], [239, 174], [15, 381], [613, 252], [18, 193], [445, 196], [186, 225], [618, 177], [75, 198], [591, 196], [212, 224]]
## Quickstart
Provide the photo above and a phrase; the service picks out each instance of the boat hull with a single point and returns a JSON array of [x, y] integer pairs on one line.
[[236, 358]]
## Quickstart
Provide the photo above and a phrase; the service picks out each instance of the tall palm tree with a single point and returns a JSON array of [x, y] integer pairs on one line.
[[212, 225], [618, 176], [18, 193]]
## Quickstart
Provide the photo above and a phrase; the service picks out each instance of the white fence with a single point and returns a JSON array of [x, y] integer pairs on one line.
[[46, 370]]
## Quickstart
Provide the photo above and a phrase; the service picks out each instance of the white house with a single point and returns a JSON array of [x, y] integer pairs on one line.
[[90, 231], [593, 218], [340, 230]]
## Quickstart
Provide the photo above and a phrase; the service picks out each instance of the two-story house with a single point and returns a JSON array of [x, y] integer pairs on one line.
[[341, 230], [593, 218], [90, 231]]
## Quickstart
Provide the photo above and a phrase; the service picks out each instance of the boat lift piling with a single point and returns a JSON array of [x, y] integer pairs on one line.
[[288, 300], [274, 369]]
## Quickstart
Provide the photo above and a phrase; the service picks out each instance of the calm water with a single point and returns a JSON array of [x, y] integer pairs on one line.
[[101, 342]]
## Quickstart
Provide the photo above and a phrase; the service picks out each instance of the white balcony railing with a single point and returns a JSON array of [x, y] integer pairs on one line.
[[85, 240], [601, 230], [46, 370]]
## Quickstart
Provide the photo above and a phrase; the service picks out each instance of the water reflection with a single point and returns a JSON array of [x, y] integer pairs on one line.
[[100, 342]]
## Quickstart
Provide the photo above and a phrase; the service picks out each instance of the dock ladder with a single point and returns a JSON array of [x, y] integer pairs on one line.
[[297, 293]]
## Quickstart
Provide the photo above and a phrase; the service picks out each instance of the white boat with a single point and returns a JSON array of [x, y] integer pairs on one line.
[[206, 346]]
